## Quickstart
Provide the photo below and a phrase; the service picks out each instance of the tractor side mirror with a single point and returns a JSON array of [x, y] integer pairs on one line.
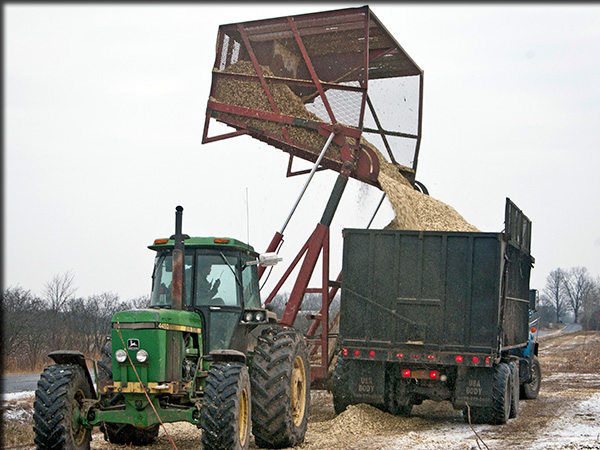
[[533, 297], [266, 260], [269, 259]]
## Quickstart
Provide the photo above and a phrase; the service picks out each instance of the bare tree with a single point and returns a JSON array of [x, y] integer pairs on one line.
[[578, 284], [17, 304], [554, 294], [141, 302], [591, 307], [57, 293]]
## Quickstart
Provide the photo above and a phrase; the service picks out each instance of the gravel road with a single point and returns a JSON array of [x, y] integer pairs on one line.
[[565, 416]]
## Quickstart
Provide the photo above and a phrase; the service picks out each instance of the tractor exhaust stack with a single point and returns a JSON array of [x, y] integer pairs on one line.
[[177, 283]]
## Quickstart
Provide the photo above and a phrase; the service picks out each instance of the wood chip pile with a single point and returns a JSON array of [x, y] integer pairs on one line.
[[250, 94], [413, 210]]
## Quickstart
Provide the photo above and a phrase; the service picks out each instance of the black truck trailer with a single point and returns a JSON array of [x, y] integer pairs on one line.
[[440, 316]]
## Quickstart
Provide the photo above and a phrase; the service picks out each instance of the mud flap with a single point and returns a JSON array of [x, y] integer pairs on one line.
[[367, 382], [77, 358], [473, 387]]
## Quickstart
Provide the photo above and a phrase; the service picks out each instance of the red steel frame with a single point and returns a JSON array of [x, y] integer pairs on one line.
[[359, 161]]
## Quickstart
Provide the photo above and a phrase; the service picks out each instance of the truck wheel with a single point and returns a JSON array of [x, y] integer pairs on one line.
[[340, 386], [531, 389], [225, 417], [397, 400], [120, 433], [501, 395], [514, 384], [280, 375], [58, 404]]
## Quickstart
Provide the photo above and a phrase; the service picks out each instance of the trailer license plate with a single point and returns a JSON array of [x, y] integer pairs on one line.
[[418, 374]]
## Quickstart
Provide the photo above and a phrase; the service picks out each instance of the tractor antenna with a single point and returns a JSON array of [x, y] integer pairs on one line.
[[247, 219]]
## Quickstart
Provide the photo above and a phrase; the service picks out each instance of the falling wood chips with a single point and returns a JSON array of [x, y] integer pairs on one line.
[[413, 210]]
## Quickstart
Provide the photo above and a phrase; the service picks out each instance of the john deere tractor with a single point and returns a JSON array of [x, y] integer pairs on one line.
[[204, 352]]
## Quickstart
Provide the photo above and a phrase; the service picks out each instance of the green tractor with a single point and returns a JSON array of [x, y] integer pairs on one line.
[[204, 352]]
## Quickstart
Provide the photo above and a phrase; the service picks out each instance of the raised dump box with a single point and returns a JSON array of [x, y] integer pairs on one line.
[[292, 81], [437, 315]]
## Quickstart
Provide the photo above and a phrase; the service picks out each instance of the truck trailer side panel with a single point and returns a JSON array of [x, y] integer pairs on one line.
[[440, 290]]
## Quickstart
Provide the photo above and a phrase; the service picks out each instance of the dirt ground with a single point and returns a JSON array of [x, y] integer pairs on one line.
[[565, 416]]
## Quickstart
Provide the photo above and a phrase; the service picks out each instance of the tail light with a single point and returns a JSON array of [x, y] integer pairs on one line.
[[459, 358], [371, 353], [475, 359], [356, 353], [434, 375], [345, 352], [406, 373]]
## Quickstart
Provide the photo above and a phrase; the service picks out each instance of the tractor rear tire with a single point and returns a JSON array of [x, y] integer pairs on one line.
[[280, 375], [57, 409], [226, 409], [120, 433], [531, 389], [340, 385]]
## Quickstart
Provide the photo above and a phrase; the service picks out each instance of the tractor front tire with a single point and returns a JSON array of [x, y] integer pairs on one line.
[[120, 433], [280, 375], [58, 408], [226, 410]]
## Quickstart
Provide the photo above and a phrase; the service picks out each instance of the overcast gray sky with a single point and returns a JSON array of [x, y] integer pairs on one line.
[[104, 109]]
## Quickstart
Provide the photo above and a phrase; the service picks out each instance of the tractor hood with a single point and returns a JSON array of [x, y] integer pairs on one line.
[[166, 319]]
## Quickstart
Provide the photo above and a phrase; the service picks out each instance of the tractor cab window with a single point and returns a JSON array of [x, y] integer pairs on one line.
[[217, 280], [250, 284], [163, 277]]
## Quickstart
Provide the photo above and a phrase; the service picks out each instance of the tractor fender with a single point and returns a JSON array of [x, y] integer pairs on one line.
[[228, 355], [76, 358]]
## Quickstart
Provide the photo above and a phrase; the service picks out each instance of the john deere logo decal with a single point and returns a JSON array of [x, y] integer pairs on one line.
[[133, 344]]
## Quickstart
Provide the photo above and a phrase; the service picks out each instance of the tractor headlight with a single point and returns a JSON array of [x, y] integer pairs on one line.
[[141, 356], [254, 316], [121, 356]]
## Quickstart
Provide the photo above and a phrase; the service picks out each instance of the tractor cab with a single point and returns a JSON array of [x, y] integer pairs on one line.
[[220, 283]]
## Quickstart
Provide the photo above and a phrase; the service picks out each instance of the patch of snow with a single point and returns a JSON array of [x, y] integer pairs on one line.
[[580, 424], [16, 396]]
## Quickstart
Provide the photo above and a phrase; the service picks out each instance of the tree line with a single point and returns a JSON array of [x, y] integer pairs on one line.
[[34, 325], [57, 319], [571, 295]]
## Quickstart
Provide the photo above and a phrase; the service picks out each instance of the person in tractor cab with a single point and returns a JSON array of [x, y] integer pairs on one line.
[[205, 290]]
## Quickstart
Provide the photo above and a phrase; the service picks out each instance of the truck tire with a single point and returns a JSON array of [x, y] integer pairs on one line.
[[397, 400], [226, 409], [57, 406], [502, 395], [340, 385], [514, 384], [280, 376], [531, 388], [120, 433]]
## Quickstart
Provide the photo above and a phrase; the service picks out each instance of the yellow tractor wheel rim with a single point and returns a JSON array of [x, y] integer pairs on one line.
[[243, 417], [298, 391]]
